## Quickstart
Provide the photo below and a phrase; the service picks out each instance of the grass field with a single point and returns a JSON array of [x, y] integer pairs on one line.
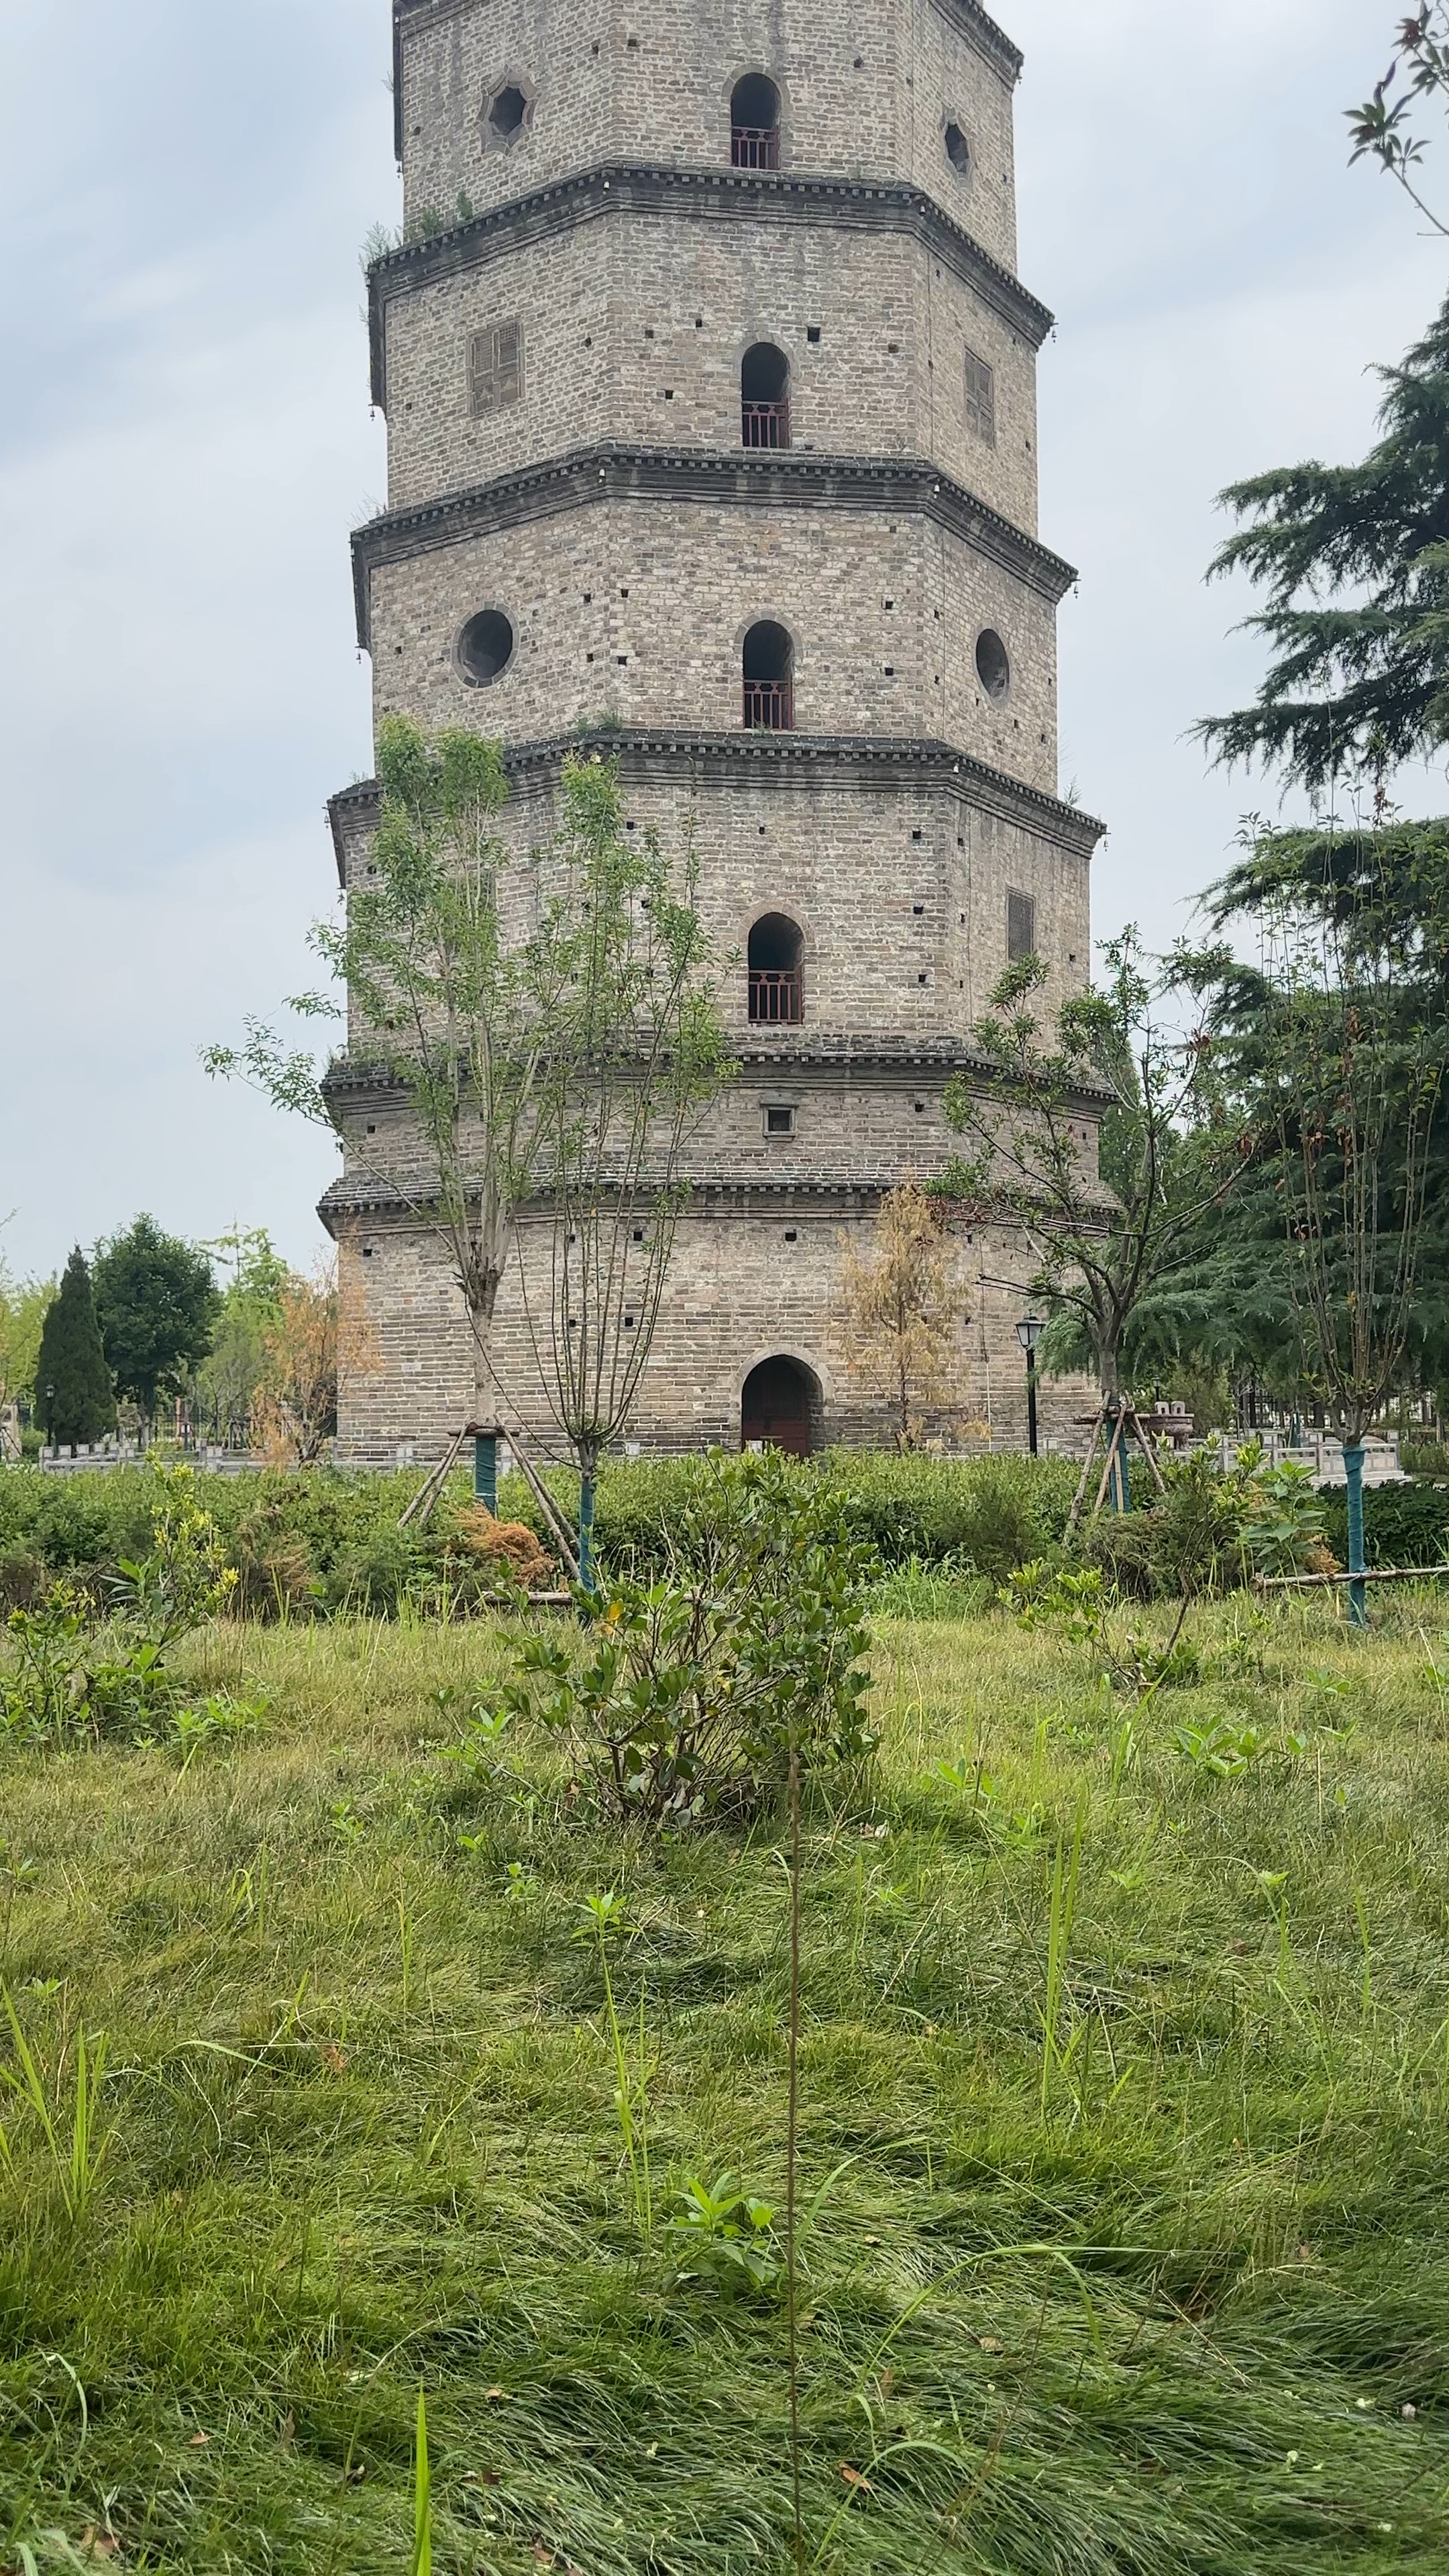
[[1125, 2170]]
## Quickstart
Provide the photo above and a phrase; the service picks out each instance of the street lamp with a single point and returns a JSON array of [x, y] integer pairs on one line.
[[50, 1418], [1029, 1332]]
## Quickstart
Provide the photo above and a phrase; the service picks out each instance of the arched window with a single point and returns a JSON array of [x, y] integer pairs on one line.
[[765, 396], [755, 123], [780, 1408], [769, 679], [777, 979]]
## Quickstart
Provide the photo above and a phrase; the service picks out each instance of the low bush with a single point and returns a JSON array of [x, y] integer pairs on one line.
[[313, 1545], [693, 1692], [1402, 1524]]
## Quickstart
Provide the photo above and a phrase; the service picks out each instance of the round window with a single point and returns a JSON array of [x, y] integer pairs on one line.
[[993, 665], [958, 151], [485, 648]]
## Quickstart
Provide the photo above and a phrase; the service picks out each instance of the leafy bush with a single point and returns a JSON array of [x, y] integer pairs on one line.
[[1403, 1524], [692, 1691], [310, 1545], [72, 1676]]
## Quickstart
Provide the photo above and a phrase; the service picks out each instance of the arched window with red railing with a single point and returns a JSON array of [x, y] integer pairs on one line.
[[755, 123], [765, 396], [777, 972], [769, 673]]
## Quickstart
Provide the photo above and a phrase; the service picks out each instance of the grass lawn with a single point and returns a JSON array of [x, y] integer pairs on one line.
[[1125, 2168]]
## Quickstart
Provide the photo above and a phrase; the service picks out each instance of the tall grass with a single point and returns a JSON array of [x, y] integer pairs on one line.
[[1124, 2214]]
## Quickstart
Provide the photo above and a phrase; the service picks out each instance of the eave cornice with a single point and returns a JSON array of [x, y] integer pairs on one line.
[[585, 196], [967, 17], [743, 760], [751, 478]]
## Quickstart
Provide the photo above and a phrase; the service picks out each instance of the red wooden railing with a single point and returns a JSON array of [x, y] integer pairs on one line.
[[755, 147], [766, 424], [776, 999], [769, 706]]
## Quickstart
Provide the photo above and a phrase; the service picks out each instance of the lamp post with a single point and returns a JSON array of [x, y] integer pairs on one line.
[[1029, 1332], [50, 1417]]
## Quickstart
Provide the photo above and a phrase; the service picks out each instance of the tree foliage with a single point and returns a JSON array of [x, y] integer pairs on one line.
[[73, 1382], [156, 1304], [901, 1305], [1325, 1273], [635, 1056], [1169, 1156], [23, 1307], [1353, 562], [1383, 128]]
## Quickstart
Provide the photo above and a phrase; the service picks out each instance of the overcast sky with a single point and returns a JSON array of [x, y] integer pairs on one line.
[[185, 444]]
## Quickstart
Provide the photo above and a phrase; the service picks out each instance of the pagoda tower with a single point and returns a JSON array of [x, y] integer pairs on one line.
[[710, 388]]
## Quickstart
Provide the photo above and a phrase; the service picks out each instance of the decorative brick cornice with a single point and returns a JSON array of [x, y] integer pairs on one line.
[[764, 478], [967, 17], [909, 1056], [734, 760], [861, 205]]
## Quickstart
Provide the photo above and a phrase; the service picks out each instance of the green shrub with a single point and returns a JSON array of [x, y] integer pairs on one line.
[[308, 1545], [692, 1691], [1403, 1524]]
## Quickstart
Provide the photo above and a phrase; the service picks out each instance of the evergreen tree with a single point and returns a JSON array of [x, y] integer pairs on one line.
[[82, 1406], [1354, 560], [157, 1304]]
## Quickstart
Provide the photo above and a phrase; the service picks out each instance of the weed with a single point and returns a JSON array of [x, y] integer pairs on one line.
[[77, 2144], [725, 2235]]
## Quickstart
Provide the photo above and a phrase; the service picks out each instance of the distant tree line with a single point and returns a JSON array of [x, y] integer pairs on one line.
[[150, 1327]]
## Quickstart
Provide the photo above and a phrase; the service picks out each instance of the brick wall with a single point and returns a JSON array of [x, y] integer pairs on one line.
[[635, 325], [885, 614], [745, 1285], [867, 92]]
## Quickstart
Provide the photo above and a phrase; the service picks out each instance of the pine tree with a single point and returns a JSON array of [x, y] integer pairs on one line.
[[1354, 560], [72, 1379]]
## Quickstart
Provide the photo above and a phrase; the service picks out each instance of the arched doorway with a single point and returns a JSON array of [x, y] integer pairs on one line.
[[780, 1408]]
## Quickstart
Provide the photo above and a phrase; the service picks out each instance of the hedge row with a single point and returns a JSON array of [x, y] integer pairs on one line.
[[321, 1542]]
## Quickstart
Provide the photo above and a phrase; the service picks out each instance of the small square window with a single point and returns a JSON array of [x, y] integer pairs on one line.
[[1020, 927], [791, 1236], [779, 1122], [495, 368], [981, 398]]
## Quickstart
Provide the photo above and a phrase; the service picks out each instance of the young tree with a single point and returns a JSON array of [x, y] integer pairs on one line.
[[73, 1383], [23, 1306], [902, 1304], [229, 1378], [635, 1056], [305, 1352], [156, 1305], [1167, 1155], [442, 1004], [1355, 567]]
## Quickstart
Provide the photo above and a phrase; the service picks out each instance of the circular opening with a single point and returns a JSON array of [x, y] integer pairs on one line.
[[508, 110], [958, 151], [485, 648], [755, 104], [993, 665]]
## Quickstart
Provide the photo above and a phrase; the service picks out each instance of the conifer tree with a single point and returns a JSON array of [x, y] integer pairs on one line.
[[1353, 561], [72, 1379]]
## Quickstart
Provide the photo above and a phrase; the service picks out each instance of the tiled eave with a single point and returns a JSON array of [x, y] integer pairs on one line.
[[743, 760], [860, 205], [773, 479], [967, 17]]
